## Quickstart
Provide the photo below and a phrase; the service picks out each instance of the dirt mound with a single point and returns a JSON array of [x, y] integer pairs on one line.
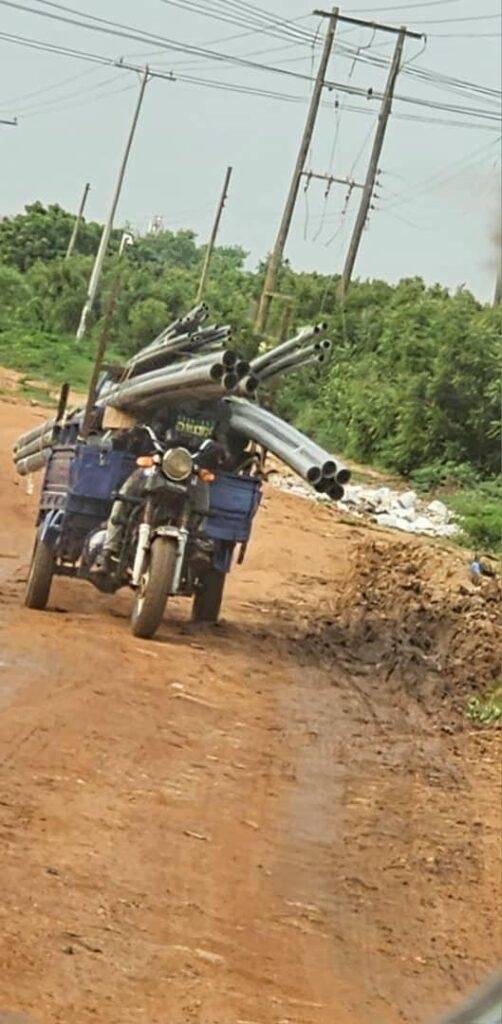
[[409, 616]]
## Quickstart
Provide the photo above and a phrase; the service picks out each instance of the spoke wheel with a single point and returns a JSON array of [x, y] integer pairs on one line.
[[154, 588]]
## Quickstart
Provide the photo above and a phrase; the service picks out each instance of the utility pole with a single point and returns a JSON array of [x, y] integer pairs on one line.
[[13, 123], [78, 221], [270, 282], [497, 298], [369, 184], [212, 240], [107, 230]]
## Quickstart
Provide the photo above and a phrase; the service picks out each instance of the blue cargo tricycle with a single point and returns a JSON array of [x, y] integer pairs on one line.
[[179, 534]]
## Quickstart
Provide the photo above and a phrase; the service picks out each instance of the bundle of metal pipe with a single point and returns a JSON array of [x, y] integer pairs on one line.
[[312, 355], [297, 451], [189, 322], [173, 382], [317, 353], [304, 334], [169, 347]]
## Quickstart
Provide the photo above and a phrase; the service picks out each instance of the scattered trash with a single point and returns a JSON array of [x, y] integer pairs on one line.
[[399, 510], [195, 835]]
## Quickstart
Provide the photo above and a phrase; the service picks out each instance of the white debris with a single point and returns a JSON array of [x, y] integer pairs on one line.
[[398, 510]]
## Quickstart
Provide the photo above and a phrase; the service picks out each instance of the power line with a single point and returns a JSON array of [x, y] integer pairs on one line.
[[406, 7], [225, 86], [448, 21], [47, 88], [308, 38], [440, 177], [234, 87], [163, 43]]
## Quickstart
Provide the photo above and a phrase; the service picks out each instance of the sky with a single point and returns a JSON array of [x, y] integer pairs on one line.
[[437, 200]]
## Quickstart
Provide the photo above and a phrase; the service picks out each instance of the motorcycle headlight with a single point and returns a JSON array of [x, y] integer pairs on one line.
[[177, 464]]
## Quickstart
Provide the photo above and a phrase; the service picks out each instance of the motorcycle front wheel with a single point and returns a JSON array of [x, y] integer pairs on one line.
[[154, 588]]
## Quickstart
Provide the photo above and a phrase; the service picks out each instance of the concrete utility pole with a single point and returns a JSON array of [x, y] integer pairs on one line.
[[107, 230], [270, 282], [369, 184], [497, 298], [78, 221], [212, 240]]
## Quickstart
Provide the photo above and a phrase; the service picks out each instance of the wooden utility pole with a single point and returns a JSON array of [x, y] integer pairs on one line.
[[212, 240], [100, 354], [78, 221], [270, 282], [369, 184], [107, 230]]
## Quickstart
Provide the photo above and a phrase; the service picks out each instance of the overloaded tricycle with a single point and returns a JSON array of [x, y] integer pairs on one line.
[[179, 527]]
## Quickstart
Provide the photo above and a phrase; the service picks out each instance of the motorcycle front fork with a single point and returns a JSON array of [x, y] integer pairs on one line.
[[144, 534]]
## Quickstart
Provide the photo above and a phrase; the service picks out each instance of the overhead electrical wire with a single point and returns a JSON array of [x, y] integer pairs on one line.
[[34, 107], [308, 37], [406, 6], [224, 86], [48, 88], [126, 32], [439, 177]]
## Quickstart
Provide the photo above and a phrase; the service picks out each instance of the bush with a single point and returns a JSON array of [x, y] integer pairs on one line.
[[479, 512]]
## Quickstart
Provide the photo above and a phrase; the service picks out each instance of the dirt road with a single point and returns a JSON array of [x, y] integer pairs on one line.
[[284, 820]]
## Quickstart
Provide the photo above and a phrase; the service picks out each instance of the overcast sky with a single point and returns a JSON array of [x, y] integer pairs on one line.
[[74, 117]]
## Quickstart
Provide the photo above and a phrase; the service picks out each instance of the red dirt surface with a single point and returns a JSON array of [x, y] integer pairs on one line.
[[282, 820]]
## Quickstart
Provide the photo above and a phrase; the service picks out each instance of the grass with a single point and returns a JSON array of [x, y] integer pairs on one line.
[[46, 356], [486, 710], [479, 513]]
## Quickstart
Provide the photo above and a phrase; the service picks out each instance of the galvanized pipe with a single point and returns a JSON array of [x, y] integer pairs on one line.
[[284, 441], [315, 360], [33, 463], [305, 334]]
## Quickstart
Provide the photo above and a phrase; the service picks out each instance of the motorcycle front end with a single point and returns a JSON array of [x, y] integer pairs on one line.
[[171, 556]]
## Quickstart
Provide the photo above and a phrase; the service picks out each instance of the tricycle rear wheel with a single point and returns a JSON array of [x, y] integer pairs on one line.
[[207, 601], [40, 576]]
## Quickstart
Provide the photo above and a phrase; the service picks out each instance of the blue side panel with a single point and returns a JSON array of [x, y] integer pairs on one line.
[[77, 493], [233, 502], [98, 474]]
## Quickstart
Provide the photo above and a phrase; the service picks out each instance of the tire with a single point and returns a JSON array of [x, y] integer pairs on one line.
[[207, 601], [40, 576], [152, 595]]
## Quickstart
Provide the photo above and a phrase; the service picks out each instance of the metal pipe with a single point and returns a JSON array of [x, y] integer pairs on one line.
[[33, 463], [241, 368], [202, 393], [196, 316], [284, 441], [336, 491], [247, 386], [32, 434], [292, 361], [305, 334], [188, 368], [227, 357], [164, 352], [35, 446], [285, 432], [323, 345], [162, 384]]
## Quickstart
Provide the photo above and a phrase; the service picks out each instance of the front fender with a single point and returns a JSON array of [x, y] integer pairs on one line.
[[49, 530], [180, 535]]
